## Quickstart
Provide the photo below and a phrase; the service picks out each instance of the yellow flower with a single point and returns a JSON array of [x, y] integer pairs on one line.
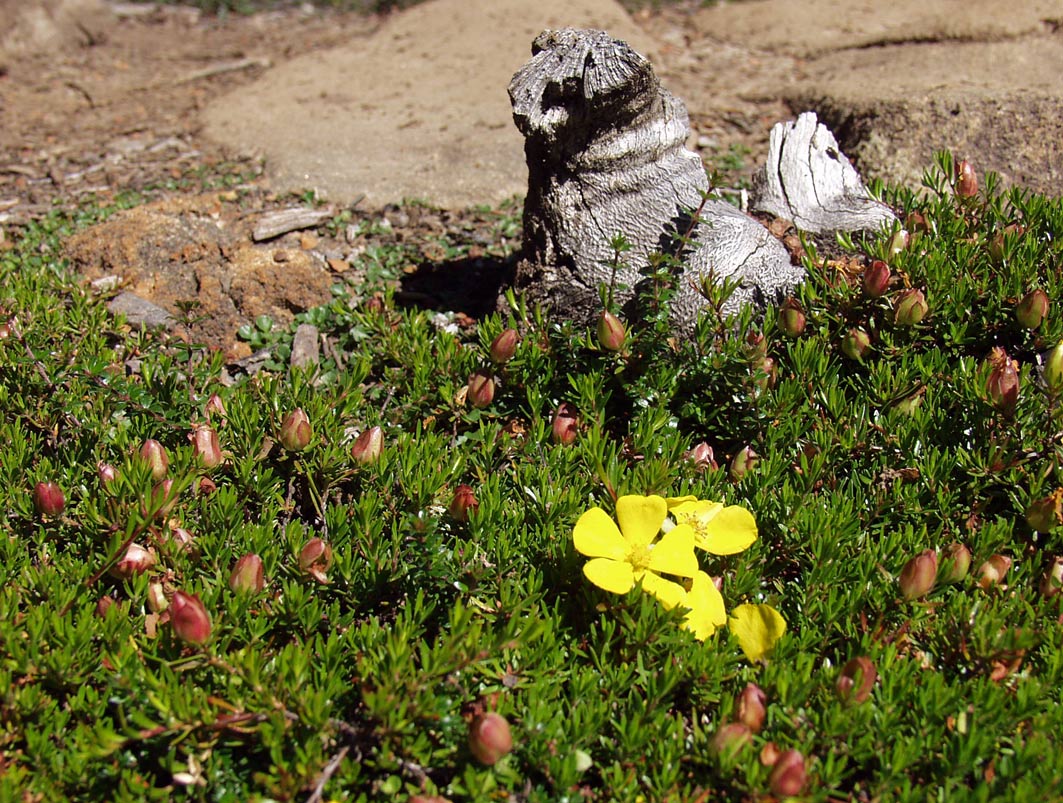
[[706, 607], [718, 529], [757, 628], [622, 557]]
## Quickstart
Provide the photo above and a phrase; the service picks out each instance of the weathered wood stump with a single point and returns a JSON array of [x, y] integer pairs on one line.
[[606, 155]]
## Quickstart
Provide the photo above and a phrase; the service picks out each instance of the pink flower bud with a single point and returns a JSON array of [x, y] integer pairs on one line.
[[788, 775], [856, 344], [490, 738], [701, 455], [876, 279], [992, 572], [766, 374], [48, 499], [464, 503], [368, 446], [135, 560], [756, 345], [566, 424], [1003, 384], [919, 574], [744, 461], [182, 538], [611, 331], [247, 575], [750, 707], [1046, 514], [205, 445], [163, 498], [315, 558], [103, 605], [955, 563], [1053, 370], [856, 680], [916, 223], [966, 180], [157, 598], [215, 407], [1052, 579], [296, 432], [729, 740], [153, 453], [481, 390], [910, 307], [504, 346], [206, 486], [899, 241], [792, 318], [189, 618], [1031, 310]]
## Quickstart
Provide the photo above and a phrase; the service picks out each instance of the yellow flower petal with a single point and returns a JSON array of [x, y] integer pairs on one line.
[[668, 593], [757, 628], [675, 501], [596, 536], [706, 607], [674, 553], [730, 530], [612, 575], [640, 518]]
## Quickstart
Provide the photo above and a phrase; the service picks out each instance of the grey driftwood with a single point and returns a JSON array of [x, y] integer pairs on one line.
[[605, 149]]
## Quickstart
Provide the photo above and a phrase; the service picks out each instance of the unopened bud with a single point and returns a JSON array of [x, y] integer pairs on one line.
[[106, 472], [899, 241], [766, 374], [992, 572], [750, 707], [756, 345], [916, 223], [48, 499], [464, 503], [296, 432], [876, 279], [856, 344], [744, 461], [206, 486], [135, 560], [729, 740], [1031, 310], [909, 404], [701, 455], [182, 538], [788, 775], [247, 575], [910, 307], [1053, 370], [1052, 579], [955, 563], [1003, 384], [566, 424], [856, 680], [966, 180], [315, 558], [189, 618], [104, 604], [792, 318], [918, 575], [215, 407], [611, 332], [1046, 514], [504, 346], [368, 446], [153, 453], [157, 598], [163, 499], [490, 738], [481, 390], [205, 446]]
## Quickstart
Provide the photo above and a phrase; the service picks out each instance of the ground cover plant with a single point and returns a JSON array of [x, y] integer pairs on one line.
[[377, 579]]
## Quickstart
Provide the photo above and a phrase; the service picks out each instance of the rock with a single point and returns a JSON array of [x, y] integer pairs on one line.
[[282, 221], [33, 27], [306, 347], [140, 312]]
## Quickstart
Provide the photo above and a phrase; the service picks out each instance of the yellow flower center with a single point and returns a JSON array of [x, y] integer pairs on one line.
[[694, 521], [639, 557]]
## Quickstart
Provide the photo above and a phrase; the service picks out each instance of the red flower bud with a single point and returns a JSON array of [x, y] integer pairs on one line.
[[919, 574], [48, 499], [504, 346], [910, 308], [1003, 383], [744, 461], [247, 575], [955, 563], [135, 560], [368, 446], [163, 499], [856, 680], [106, 472], [206, 486], [992, 572], [296, 432], [788, 775], [189, 618], [215, 407], [876, 279], [205, 445], [1046, 514], [611, 332], [966, 180], [729, 740], [766, 373], [756, 345], [750, 707], [104, 604], [490, 738], [464, 503], [315, 558], [153, 453], [1031, 310], [792, 318], [566, 424], [182, 538], [856, 344], [702, 457], [481, 390]]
